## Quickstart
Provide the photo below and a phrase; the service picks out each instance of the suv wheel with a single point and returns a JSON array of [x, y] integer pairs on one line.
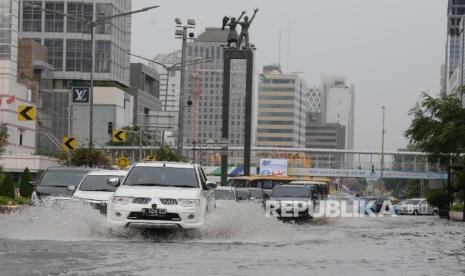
[[435, 213], [415, 213]]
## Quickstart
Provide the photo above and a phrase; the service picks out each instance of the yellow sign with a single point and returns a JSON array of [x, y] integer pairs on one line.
[[150, 158], [26, 113], [118, 136], [70, 143], [123, 162]]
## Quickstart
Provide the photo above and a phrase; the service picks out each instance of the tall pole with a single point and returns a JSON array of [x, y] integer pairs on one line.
[[181, 93], [91, 91], [382, 155], [166, 101]]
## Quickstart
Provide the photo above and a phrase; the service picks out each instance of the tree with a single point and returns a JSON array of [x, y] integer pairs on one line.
[[166, 153], [438, 128], [85, 157], [7, 189], [3, 138], [25, 188]]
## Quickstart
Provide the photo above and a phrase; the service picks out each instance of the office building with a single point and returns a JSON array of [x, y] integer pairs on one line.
[[170, 82], [69, 52], [338, 105], [204, 94], [281, 109], [455, 11], [22, 139]]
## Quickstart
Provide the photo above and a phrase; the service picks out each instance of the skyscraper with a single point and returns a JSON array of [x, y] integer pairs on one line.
[[22, 137], [281, 109], [204, 93], [455, 11], [69, 52], [338, 105]]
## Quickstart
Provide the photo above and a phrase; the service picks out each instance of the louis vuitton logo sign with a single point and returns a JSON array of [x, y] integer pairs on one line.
[[81, 94]]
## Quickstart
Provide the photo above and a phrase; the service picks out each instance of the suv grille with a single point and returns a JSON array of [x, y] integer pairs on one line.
[[141, 200], [140, 216], [168, 201]]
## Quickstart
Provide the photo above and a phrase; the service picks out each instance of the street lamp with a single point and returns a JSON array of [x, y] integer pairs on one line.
[[91, 25], [383, 132], [181, 33]]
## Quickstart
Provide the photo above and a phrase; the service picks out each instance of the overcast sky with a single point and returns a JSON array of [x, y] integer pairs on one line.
[[391, 50]]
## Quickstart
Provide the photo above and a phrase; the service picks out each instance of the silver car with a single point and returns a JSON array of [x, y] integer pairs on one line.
[[418, 206]]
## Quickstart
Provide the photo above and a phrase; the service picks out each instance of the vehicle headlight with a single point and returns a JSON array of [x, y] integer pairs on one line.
[[123, 200], [189, 202]]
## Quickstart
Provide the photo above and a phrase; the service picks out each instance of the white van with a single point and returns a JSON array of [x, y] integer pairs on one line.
[[160, 195]]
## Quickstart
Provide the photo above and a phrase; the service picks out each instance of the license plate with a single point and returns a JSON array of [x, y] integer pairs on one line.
[[154, 212]]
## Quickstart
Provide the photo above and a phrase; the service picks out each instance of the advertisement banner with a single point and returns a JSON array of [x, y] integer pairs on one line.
[[273, 167]]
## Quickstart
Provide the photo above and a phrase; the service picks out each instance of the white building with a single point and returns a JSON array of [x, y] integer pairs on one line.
[[169, 99], [338, 105], [22, 139]]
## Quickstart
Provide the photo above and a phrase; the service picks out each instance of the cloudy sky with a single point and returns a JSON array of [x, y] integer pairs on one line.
[[391, 50]]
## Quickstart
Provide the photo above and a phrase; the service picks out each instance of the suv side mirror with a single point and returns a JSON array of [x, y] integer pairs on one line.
[[71, 188], [113, 182], [211, 185]]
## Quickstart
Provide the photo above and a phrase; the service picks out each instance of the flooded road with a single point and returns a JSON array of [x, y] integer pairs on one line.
[[238, 240]]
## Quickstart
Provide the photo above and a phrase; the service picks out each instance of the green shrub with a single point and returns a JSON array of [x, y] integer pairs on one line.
[[457, 207], [5, 200], [7, 189], [438, 198], [25, 187], [22, 201]]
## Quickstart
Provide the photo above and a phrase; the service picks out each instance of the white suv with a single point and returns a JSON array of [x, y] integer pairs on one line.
[[162, 194]]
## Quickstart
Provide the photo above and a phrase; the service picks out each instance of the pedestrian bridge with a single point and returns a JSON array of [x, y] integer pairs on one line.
[[313, 162]]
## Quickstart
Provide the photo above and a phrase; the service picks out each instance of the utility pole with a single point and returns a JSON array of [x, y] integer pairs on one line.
[[383, 132], [181, 93]]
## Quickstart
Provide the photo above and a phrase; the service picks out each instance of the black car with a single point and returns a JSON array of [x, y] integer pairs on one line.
[[60, 181], [285, 198]]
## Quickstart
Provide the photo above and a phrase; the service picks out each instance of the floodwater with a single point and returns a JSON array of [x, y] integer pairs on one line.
[[237, 240]]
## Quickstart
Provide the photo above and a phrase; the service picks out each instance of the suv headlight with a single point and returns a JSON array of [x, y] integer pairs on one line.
[[189, 202], [123, 200]]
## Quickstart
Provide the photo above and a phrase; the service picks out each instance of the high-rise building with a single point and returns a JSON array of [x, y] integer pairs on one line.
[[281, 109], [22, 139], [169, 95], [204, 93], [338, 105], [455, 11], [69, 52]]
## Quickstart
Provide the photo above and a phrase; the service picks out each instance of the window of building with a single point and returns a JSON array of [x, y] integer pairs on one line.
[[80, 10], [102, 56], [104, 10], [55, 53], [32, 16], [54, 22], [78, 55]]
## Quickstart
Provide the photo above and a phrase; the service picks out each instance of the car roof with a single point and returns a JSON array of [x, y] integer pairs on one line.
[[293, 186], [73, 169], [109, 172], [225, 188], [158, 164]]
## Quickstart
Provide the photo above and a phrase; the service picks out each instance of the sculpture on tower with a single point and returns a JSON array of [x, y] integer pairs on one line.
[[242, 41]]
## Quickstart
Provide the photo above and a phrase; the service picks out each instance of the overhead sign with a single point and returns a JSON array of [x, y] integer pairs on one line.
[[70, 143], [163, 120], [367, 174], [27, 113], [123, 162], [273, 167], [81, 94], [119, 136]]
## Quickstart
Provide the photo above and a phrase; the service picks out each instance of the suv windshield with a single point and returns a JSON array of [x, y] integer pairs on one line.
[[162, 176], [62, 178], [284, 191], [224, 195], [98, 183]]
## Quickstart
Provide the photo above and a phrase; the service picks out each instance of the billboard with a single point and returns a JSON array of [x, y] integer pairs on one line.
[[273, 167]]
